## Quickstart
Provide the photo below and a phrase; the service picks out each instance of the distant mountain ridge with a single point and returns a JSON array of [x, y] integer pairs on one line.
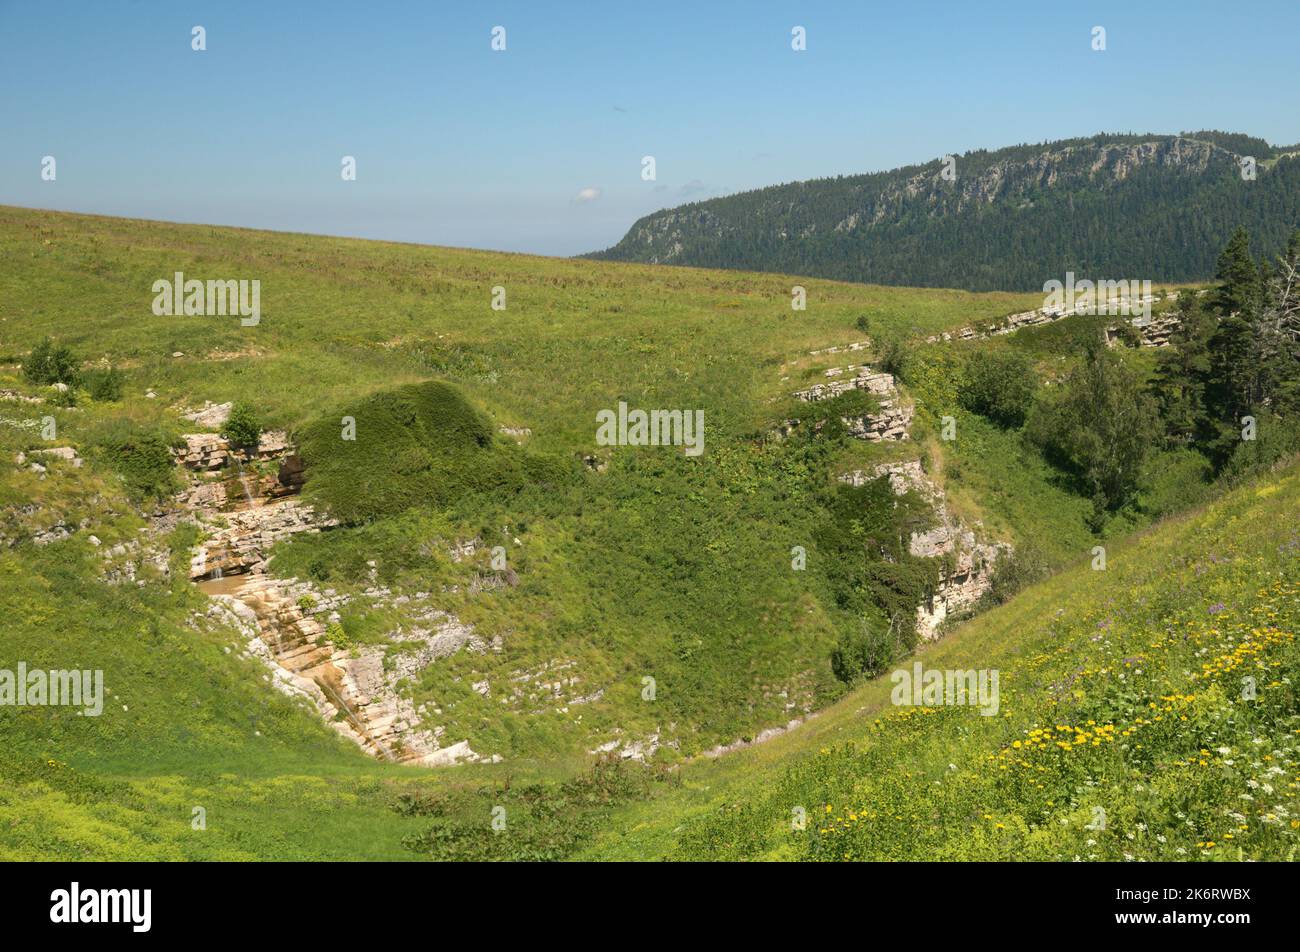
[[1156, 207]]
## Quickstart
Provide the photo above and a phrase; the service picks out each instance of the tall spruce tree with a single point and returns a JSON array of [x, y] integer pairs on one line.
[[1233, 386], [1237, 273], [1182, 371]]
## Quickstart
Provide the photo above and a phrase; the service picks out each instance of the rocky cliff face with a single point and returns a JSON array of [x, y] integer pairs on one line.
[[245, 499], [968, 562], [892, 418], [356, 692], [1021, 179]]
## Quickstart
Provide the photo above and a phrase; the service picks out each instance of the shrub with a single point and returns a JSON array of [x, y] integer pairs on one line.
[[1015, 571], [104, 384], [142, 458], [418, 445], [870, 570], [894, 357], [1277, 438], [242, 427], [998, 386], [862, 653], [49, 363], [64, 397], [1175, 480]]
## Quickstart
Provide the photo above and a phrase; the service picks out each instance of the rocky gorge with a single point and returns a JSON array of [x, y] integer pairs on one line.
[[245, 500], [967, 561]]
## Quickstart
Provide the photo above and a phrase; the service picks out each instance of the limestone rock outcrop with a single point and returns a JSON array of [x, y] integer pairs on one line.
[[354, 690], [968, 562], [205, 452], [890, 421], [210, 416], [1084, 305], [244, 543]]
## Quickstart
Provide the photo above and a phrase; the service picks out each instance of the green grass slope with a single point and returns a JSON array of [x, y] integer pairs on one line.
[[1122, 731], [625, 563], [657, 566]]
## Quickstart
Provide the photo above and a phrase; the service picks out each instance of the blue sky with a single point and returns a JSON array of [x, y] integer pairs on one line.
[[459, 145]]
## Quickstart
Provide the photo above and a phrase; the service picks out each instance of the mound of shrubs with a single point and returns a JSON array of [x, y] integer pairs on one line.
[[418, 445], [49, 364], [999, 386]]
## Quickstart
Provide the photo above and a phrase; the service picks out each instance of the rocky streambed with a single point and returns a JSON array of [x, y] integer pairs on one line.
[[246, 500]]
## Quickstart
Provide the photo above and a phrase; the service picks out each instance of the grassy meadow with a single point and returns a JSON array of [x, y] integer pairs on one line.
[[1121, 689], [629, 562]]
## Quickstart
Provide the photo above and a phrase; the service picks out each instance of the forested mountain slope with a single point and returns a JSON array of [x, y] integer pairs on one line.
[[1155, 207]]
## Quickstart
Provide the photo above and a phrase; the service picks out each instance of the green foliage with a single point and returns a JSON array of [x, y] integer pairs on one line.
[[418, 445], [51, 363], [1100, 424], [1242, 360], [863, 652], [104, 384], [1276, 439], [999, 386], [242, 427], [140, 457], [932, 375], [1182, 370], [893, 355], [535, 822], [1237, 273], [1175, 481], [1016, 570], [872, 574], [826, 417]]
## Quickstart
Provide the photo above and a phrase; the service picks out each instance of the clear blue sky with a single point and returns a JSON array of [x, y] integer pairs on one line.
[[459, 145]]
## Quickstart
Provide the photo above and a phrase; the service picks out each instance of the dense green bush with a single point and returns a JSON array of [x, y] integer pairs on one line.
[[1014, 571], [50, 363], [893, 357], [863, 652], [419, 445], [242, 427], [872, 574], [1175, 480], [1276, 438], [999, 386], [1100, 424], [142, 458]]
